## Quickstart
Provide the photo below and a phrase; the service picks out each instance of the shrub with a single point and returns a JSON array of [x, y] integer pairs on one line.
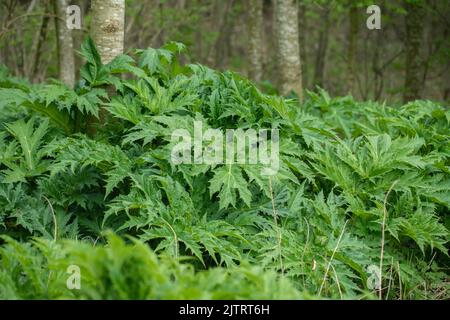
[[358, 182]]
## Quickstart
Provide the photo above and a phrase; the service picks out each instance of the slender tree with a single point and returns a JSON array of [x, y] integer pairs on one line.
[[446, 80], [269, 55], [413, 42], [66, 59], [78, 35], [107, 29], [378, 80], [352, 48], [319, 71], [255, 29], [108, 33], [39, 43], [302, 32], [223, 11], [288, 48]]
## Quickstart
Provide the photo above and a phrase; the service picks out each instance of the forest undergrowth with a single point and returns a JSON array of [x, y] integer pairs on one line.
[[359, 207]]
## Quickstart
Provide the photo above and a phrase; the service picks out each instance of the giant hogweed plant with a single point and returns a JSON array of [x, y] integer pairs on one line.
[[360, 185]]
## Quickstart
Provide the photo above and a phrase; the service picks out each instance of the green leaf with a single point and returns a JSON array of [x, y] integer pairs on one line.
[[229, 182]]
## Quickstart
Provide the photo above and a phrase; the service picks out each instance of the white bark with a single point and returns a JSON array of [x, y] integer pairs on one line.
[[288, 48], [107, 29]]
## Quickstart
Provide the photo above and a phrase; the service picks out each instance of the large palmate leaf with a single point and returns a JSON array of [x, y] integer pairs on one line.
[[230, 184], [30, 162]]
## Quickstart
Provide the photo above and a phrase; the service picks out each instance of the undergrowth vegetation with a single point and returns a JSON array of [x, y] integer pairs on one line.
[[361, 187]]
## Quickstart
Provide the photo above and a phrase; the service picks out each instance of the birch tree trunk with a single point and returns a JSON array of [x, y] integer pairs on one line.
[[66, 58], [108, 33], [288, 48], [107, 28], [413, 22], [255, 29]]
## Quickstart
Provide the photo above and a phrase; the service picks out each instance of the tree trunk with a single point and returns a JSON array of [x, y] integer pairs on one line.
[[255, 29], [446, 77], [107, 28], [413, 22], [78, 35], [39, 43], [288, 48], [269, 56], [222, 45], [66, 59], [108, 33], [302, 27], [378, 80], [352, 48], [322, 49]]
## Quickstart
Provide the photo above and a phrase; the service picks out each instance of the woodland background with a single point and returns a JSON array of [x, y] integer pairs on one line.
[[338, 52]]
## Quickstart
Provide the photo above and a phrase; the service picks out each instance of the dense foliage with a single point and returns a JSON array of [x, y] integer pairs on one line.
[[357, 182]]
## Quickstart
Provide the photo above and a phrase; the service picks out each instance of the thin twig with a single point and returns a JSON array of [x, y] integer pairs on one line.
[[399, 279], [337, 282], [175, 238], [55, 224], [304, 249], [10, 22], [332, 257], [382, 236], [31, 6], [275, 219], [390, 278]]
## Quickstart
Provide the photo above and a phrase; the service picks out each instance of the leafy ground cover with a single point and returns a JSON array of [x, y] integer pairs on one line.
[[361, 187]]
